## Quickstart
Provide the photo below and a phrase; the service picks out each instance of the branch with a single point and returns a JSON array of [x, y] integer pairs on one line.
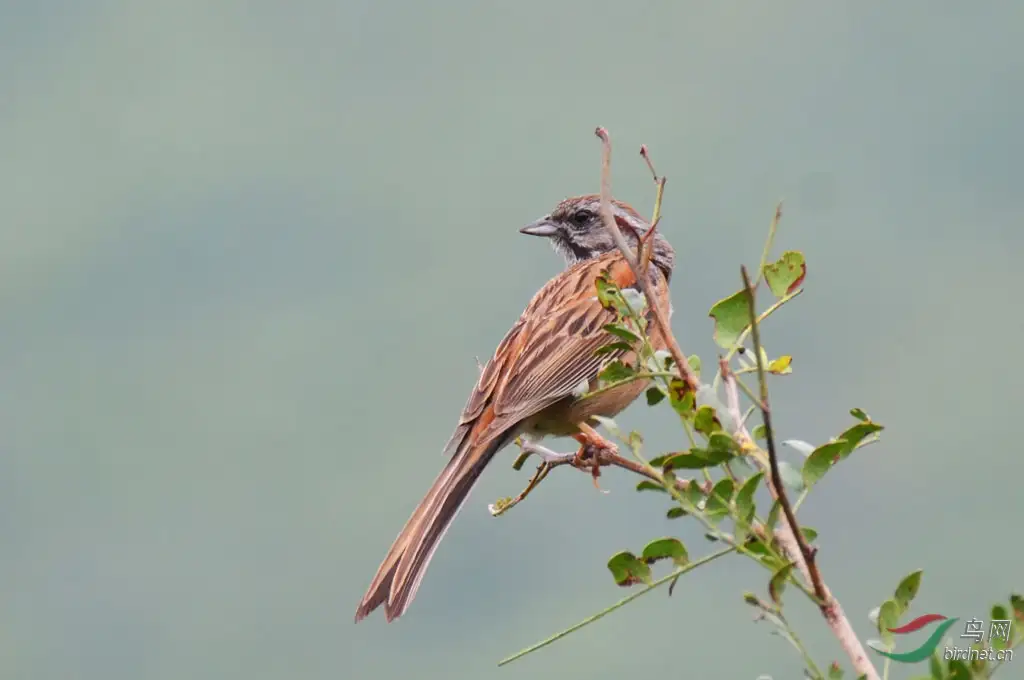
[[645, 286], [594, 459], [793, 540], [773, 458]]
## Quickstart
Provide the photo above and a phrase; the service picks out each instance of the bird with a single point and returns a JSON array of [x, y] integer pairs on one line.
[[531, 387]]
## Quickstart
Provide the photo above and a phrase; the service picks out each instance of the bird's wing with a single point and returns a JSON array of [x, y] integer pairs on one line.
[[549, 352]]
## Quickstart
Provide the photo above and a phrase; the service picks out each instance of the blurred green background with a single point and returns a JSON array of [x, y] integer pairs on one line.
[[250, 249]]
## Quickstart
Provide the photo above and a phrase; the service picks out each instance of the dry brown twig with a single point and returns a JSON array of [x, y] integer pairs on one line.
[[645, 286]]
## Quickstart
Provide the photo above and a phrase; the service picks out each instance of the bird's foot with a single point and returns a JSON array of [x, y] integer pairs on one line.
[[592, 445]]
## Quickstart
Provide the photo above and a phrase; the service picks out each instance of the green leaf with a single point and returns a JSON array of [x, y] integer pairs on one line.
[[694, 494], [718, 499], [648, 485], [859, 414], [958, 671], [778, 583], [757, 546], [786, 275], [834, 671], [781, 366], [810, 535], [745, 496], [803, 447], [616, 371], [906, 591], [635, 299], [696, 459], [772, 562], [720, 441], [1017, 602], [607, 292], [742, 523], [855, 434], [658, 461], [665, 548], [663, 360], [668, 477], [759, 432], [680, 397], [888, 617], [627, 569], [731, 317], [675, 512], [935, 666], [773, 516], [694, 362], [654, 396], [821, 459], [999, 613], [978, 665], [790, 476], [613, 348], [619, 330], [706, 421]]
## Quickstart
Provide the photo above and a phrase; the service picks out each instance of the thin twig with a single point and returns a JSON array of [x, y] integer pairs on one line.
[[624, 601], [605, 458], [768, 243], [645, 286], [773, 458], [791, 538], [647, 242], [542, 471]]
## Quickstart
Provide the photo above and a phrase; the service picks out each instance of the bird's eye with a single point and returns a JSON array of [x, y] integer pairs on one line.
[[581, 217]]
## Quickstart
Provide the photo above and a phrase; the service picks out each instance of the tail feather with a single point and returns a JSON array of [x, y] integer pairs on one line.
[[402, 570]]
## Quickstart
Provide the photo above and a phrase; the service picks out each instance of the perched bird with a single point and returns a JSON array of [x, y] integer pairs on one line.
[[532, 385]]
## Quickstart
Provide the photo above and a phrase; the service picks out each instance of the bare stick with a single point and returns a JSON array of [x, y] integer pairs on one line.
[[645, 286], [659, 182]]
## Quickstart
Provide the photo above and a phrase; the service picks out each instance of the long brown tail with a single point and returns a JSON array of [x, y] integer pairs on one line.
[[399, 575]]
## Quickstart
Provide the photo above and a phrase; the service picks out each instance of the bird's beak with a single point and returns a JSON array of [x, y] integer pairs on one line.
[[542, 227]]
